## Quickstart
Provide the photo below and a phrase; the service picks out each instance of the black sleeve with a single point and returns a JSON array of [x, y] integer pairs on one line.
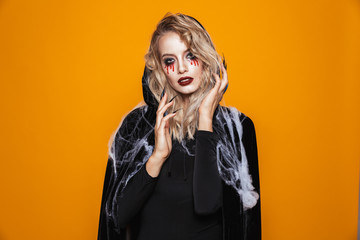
[[207, 185], [134, 195], [253, 215]]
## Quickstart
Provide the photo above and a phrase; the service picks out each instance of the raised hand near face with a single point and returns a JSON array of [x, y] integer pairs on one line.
[[163, 142], [211, 101]]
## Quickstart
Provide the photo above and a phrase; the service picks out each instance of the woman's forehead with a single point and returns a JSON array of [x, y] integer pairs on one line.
[[171, 43]]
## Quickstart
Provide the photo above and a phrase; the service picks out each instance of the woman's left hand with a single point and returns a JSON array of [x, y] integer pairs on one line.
[[211, 101]]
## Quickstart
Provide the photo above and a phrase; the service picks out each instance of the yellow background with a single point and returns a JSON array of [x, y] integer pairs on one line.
[[70, 70]]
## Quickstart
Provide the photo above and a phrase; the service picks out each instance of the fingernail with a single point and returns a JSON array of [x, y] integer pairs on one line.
[[224, 62], [177, 110], [162, 94], [172, 98], [226, 88]]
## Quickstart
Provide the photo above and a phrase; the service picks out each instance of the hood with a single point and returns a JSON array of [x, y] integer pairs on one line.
[[149, 97]]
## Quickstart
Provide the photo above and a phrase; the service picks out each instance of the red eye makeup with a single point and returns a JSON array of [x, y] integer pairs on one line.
[[170, 63], [171, 66], [194, 62]]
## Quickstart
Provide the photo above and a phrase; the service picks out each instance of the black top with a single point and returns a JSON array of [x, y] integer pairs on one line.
[[184, 201]]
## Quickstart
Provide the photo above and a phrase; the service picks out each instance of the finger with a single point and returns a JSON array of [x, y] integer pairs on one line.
[[165, 107], [217, 82], [223, 70], [224, 84], [225, 81], [162, 128], [162, 101], [159, 113], [226, 88], [168, 116], [164, 121]]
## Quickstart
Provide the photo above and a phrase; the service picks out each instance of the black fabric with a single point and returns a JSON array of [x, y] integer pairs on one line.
[[164, 205], [237, 223], [240, 224]]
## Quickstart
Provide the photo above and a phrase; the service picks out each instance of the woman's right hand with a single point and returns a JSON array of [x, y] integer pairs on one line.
[[163, 143]]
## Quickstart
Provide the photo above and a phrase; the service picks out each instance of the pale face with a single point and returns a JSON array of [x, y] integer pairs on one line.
[[182, 68]]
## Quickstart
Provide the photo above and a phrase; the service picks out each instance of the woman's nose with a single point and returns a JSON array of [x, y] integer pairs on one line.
[[182, 67]]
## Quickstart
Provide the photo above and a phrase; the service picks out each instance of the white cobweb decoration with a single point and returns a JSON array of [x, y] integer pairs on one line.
[[232, 166]]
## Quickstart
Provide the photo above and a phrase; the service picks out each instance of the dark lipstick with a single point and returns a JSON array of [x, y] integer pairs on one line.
[[185, 81]]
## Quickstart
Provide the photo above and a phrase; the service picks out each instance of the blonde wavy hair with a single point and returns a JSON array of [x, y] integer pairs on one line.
[[193, 34]]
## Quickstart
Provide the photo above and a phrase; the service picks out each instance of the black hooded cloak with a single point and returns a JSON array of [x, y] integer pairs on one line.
[[237, 160]]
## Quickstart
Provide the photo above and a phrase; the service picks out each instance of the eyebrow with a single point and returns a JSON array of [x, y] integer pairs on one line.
[[169, 54]]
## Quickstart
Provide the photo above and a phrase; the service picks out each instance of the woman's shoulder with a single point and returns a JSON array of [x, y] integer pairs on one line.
[[238, 120], [135, 113], [234, 113], [132, 117], [129, 121]]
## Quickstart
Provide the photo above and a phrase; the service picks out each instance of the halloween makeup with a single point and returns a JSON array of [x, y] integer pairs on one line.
[[170, 62], [182, 68]]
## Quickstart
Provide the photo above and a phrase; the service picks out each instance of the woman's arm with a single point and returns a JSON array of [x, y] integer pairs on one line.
[[136, 192], [207, 185], [140, 186]]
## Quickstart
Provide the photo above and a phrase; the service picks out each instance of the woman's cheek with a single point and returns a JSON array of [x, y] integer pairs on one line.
[[169, 68], [194, 62]]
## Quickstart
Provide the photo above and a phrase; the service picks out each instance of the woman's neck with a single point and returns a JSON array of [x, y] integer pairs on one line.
[[186, 103]]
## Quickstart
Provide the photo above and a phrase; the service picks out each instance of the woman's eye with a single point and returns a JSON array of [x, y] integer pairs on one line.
[[191, 56], [168, 61]]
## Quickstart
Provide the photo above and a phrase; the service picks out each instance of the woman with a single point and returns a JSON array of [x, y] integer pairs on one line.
[[183, 167]]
